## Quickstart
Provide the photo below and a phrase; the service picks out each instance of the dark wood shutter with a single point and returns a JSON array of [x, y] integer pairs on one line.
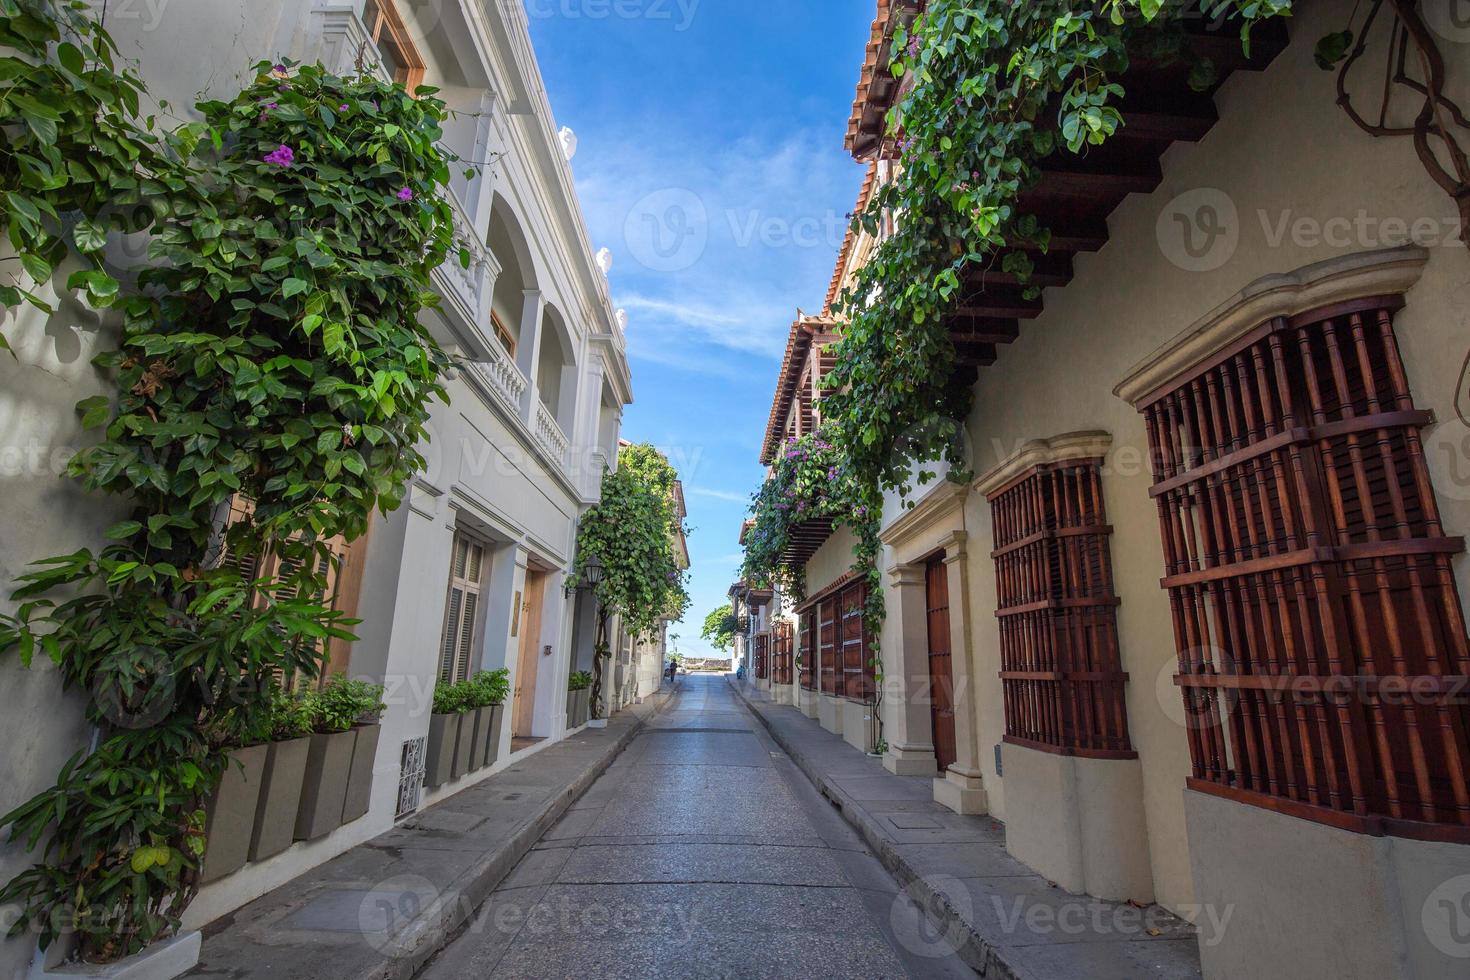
[[1061, 671], [941, 666], [809, 650], [826, 610], [1321, 637], [762, 655]]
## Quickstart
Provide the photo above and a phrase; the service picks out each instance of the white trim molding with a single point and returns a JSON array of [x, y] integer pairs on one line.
[[1093, 444], [1380, 272]]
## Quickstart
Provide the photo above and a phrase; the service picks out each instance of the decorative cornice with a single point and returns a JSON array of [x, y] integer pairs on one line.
[[944, 500], [1381, 272], [1093, 444]]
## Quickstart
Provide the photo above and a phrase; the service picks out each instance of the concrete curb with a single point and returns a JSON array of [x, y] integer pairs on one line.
[[969, 945], [409, 951]]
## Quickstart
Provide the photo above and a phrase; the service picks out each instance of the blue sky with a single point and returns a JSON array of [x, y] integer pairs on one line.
[[710, 161]]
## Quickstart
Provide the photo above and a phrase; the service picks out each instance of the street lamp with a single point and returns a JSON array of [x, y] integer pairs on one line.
[[592, 572]]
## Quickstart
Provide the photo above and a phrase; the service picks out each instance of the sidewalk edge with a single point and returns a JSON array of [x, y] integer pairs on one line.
[[978, 954]]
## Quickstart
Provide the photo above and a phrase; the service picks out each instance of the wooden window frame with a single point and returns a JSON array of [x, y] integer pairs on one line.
[[389, 20], [1061, 666], [762, 656], [845, 661], [497, 327], [1310, 579], [460, 632], [808, 635]]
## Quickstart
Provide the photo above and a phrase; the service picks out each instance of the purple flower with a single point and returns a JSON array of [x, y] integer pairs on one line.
[[342, 107], [279, 69], [913, 46], [272, 105], [282, 156], [405, 195]]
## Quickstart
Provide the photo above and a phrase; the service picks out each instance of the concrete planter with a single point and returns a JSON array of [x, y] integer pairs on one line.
[[479, 720], [232, 813], [493, 715], [280, 798], [162, 961], [579, 707], [360, 774], [443, 737], [324, 791], [465, 745]]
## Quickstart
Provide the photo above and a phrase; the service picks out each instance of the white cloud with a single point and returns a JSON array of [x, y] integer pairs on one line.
[[739, 498]]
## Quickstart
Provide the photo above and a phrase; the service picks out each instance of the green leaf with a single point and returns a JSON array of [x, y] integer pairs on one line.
[[95, 411], [1332, 49], [36, 267], [293, 287], [124, 530], [89, 236]]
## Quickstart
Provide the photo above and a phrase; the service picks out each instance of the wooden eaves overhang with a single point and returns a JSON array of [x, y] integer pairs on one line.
[[1076, 193]]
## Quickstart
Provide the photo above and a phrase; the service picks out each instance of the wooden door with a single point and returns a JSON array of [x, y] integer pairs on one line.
[[524, 711], [941, 667]]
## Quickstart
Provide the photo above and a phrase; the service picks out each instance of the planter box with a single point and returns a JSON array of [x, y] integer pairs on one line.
[[579, 705], [479, 720], [443, 737], [232, 813], [360, 774], [161, 961], [572, 709], [324, 791], [465, 746], [493, 716], [280, 798]]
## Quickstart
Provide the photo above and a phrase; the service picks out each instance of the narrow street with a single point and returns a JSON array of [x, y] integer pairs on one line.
[[702, 852]]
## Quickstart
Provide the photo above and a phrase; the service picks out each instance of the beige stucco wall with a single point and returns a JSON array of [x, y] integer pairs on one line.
[[832, 561], [1281, 147]]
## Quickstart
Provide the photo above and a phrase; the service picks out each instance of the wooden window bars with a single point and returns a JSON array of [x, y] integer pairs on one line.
[[842, 649], [785, 649], [762, 655], [461, 612], [1060, 666], [1321, 638]]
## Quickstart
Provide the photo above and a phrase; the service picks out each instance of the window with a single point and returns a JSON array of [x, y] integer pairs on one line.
[[809, 650], [502, 334], [457, 647], [844, 656], [391, 38], [782, 666], [762, 655], [330, 565], [1321, 639], [1060, 668], [826, 612]]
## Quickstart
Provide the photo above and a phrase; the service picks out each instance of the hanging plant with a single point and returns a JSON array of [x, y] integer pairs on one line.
[[993, 88], [275, 355]]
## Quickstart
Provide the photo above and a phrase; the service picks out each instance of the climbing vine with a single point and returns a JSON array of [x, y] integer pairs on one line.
[[76, 160], [994, 88], [271, 362], [631, 534]]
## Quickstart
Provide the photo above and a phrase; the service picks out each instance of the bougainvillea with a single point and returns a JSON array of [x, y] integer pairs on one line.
[[271, 362]]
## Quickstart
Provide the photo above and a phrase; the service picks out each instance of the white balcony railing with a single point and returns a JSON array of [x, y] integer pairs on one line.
[[549, 435], [501, 376]]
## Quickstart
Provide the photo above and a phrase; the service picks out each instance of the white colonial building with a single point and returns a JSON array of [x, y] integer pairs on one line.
[[471, 572]]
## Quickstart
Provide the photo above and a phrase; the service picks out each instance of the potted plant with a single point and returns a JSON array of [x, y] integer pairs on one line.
[[444, 726], [284, 775], [368, 702], [487, 696], [230, 819], [579, 698], [336, 710]]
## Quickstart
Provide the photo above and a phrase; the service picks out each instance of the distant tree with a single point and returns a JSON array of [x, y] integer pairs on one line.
[[720, 627]]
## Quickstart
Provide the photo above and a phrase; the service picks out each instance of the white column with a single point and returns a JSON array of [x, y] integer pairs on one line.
[[908, 724], [961, 788], [528, 351]]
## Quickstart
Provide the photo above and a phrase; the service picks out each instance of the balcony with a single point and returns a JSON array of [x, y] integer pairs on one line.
[[499, 375], [550, 437], [464, 287]]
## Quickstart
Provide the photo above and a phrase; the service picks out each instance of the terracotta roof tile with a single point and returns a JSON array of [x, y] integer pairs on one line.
[[798, 344], [840, 273], [875, 84]]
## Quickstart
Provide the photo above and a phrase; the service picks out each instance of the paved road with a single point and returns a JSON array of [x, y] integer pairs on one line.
[[702, 852]]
